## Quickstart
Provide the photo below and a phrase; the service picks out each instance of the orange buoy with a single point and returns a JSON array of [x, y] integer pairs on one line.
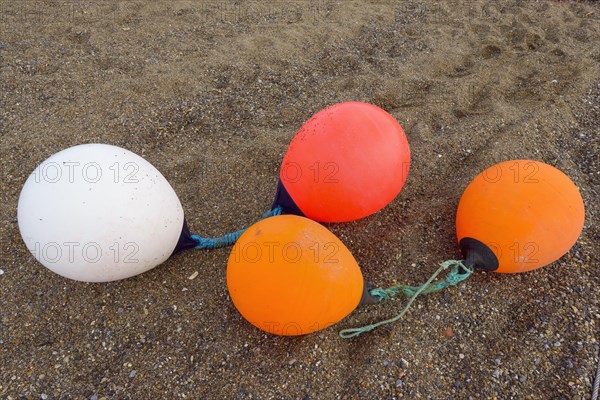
[[346, 162], [517, 216], [289, 275]]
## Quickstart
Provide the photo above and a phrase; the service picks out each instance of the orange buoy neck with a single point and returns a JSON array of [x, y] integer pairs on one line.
[[477, 255]]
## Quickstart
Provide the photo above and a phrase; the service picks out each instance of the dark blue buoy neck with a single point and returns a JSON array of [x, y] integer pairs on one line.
[[285, 201], [185, 240]]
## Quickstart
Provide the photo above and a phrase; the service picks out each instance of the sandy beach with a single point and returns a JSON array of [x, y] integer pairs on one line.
[[211, 93]]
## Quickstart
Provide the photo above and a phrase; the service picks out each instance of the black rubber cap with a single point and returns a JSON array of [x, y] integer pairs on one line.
[[478, 255], [367, 298]]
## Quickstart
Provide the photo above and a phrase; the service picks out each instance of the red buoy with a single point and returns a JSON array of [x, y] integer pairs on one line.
[[346, 162]]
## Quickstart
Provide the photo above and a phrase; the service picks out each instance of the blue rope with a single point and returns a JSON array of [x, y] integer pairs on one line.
[[230, 238]]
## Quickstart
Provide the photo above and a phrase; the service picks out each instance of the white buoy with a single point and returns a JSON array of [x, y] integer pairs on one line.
[[99, 213]]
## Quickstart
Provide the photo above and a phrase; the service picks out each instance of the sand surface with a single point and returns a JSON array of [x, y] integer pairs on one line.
[[211, 93]]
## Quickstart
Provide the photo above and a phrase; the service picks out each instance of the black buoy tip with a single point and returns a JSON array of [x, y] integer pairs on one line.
[[478, 255], [367, 298]]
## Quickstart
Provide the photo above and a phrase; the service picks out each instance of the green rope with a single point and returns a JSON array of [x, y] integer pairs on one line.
[[459, 273]]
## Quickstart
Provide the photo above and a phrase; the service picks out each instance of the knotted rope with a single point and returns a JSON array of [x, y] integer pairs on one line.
[[459, 273]]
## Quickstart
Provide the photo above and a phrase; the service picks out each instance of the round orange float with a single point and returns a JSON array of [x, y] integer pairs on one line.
[[288, 275], [515, 216]]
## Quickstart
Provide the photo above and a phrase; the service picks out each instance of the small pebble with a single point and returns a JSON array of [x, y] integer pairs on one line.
[[94, 397], [496, 374], [43, 396], [399, 383], [461, 356], [1, 271], [133, 374], [292, 361], [497, 361], [192, 276]]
